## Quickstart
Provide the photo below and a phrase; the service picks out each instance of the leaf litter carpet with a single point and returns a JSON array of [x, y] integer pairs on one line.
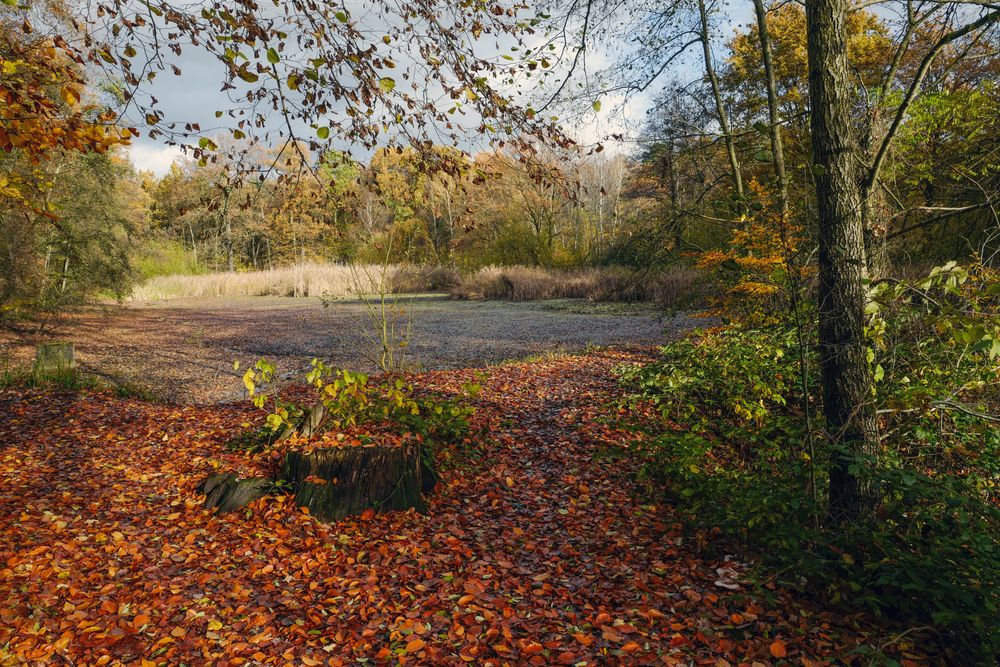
[[537, 551]]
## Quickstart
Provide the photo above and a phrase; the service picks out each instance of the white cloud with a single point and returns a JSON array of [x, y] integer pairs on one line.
[[619, 115], [154, 158]]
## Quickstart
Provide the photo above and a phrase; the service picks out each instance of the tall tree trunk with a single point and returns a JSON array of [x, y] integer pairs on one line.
[[673, 181], [850, 418], [777, 150], [65, 275], [227, 227], [45, 272], [720, 108], [194, 245]]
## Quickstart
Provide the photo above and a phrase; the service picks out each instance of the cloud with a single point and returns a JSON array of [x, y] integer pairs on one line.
[[153, 157], [619, 115]]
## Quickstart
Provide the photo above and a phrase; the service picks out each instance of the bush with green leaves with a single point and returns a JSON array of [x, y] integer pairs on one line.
[[730, 403], [350, 399], [733, 405]]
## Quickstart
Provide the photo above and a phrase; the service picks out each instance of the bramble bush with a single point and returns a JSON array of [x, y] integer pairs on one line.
[[732, 404]]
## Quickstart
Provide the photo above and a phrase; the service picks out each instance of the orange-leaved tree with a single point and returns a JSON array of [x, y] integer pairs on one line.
[[755, 269], [43, 107]]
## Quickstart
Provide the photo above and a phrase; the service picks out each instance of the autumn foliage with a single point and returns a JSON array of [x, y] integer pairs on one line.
[[755, 270], [41, 103], [535, 549]]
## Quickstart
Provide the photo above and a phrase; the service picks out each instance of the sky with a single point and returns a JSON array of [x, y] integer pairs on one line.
[[196, 94]]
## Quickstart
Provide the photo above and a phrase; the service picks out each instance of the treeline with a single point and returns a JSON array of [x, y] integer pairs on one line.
[[106, 227], [705, 175], [704, 187], [437, 207]]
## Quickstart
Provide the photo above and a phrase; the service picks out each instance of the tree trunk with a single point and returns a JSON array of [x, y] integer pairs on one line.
[[875, 214], [194, 244], [777, 150], [846, 379], [65, 275], [727, 134], [874, 209], [45, 273], [227, 227]]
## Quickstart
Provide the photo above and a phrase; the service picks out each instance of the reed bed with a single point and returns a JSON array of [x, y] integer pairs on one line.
[[670, 287], [303, 280]]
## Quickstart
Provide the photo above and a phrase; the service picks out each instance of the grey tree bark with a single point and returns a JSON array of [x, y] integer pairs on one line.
[[777, 150], [227, 228], [720, 108], [846, 379]]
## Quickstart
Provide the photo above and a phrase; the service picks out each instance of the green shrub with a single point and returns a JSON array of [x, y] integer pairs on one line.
[[164, 257], [253, 441], [733, 428], [350, 399], [730, 402]]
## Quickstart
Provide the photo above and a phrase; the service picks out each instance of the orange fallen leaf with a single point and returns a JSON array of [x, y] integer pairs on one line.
[[778, 649], [532, 648]]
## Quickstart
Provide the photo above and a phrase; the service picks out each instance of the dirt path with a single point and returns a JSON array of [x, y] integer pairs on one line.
[[539, 553], [183, 350]]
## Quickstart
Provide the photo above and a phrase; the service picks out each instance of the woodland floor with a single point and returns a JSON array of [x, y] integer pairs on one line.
[[182, 350], [536, 551]]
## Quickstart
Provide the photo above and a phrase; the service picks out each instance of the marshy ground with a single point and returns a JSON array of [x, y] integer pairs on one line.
[[182, 350]]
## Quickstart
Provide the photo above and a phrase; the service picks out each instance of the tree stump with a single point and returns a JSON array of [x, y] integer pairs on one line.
[[428, 477], [54, 359], [227, 492], [341, 481]]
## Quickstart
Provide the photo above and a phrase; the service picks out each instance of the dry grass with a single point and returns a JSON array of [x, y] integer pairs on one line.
[[671, 287], [326, 280]]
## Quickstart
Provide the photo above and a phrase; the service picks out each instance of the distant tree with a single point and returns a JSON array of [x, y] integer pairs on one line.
[[57, 182]]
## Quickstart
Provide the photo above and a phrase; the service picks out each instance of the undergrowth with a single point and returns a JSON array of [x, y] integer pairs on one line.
[[734, 452], [352, 399]]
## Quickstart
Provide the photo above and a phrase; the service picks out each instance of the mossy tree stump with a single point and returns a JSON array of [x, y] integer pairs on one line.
[[335, 482], [343, 481]]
